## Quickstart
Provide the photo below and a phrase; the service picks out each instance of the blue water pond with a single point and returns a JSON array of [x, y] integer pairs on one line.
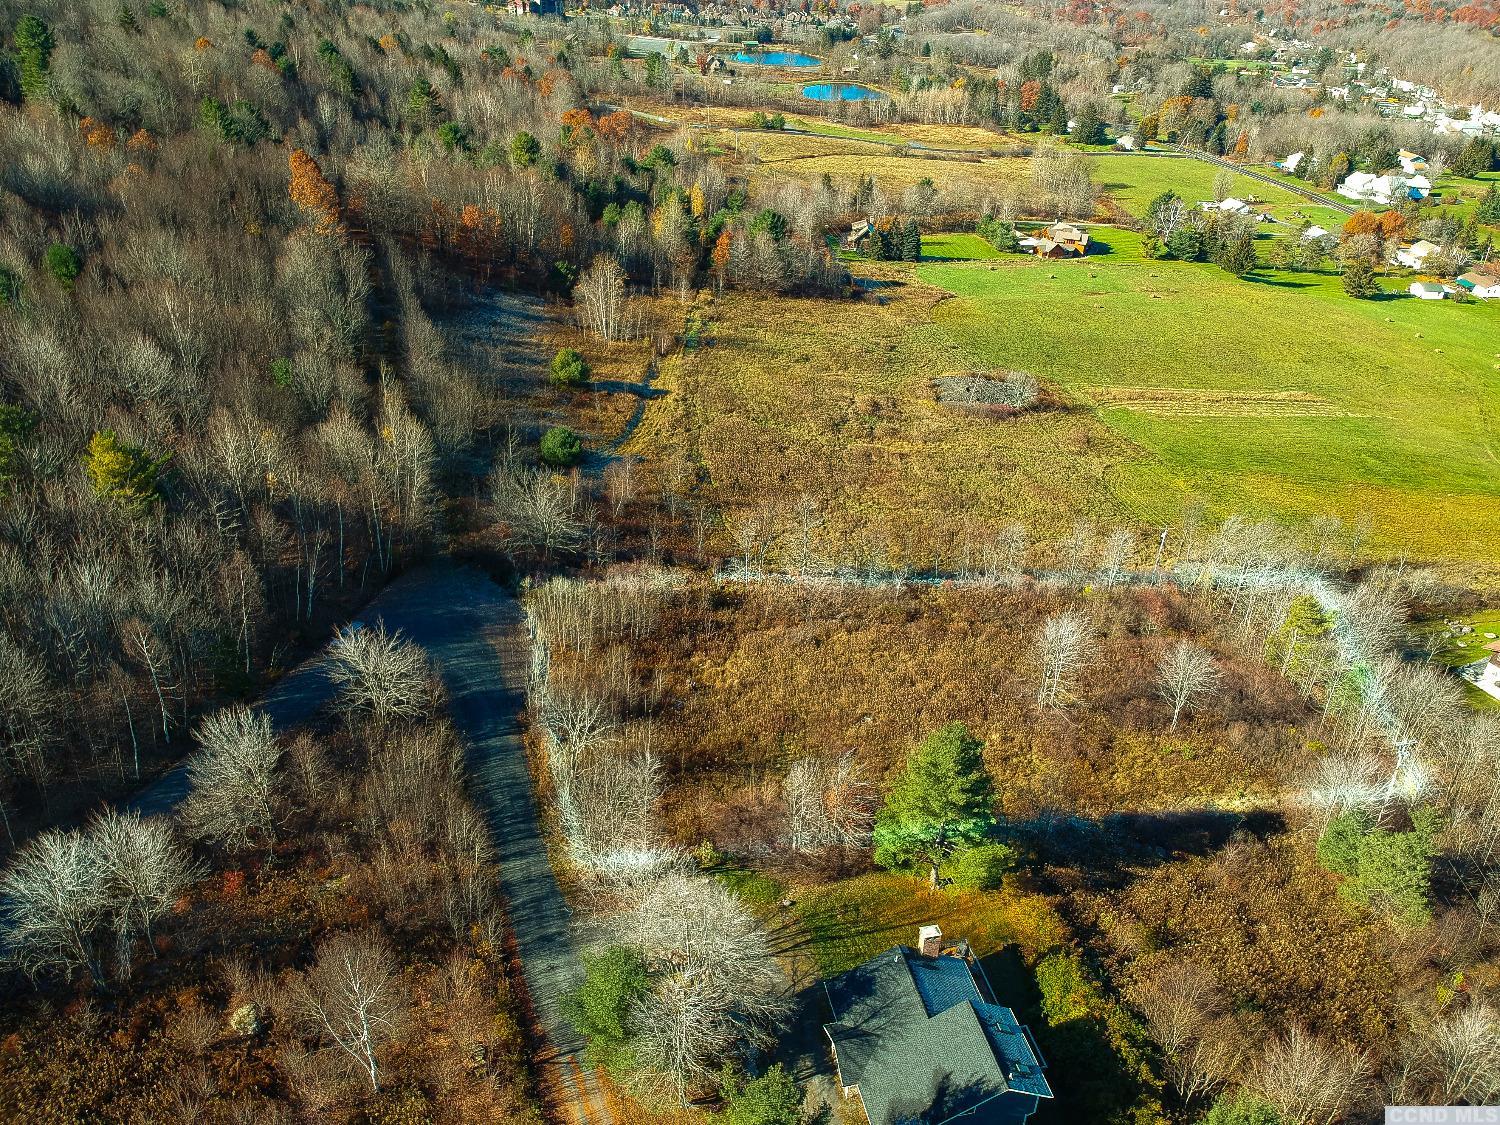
[[775, 58], [841, 92]]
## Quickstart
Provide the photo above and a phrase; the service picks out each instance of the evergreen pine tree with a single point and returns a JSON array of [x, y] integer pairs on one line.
[[911, 241], [943, 801]]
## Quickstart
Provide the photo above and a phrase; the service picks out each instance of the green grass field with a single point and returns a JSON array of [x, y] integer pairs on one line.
[[1457, 651], [1279, 395], [833, 129], [957, 248], [1466, 194], [1232, 64], [1134, 181]]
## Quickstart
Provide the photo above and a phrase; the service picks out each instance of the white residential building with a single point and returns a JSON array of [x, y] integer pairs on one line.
[[1366, 187], [1230, 206], [1481, 283], [1411, 163], [1415, 256]]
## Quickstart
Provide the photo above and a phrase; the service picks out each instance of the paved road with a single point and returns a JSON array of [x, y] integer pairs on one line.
[[474, 633], [299, 695], [1296, 189]]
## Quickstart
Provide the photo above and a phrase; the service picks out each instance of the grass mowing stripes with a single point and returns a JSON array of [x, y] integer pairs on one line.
[[1387, 407]]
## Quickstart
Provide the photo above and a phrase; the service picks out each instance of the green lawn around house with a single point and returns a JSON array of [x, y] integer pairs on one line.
[[1277, 395], [1459, 196], [1457, 651], [957, 248], [1133, 181], [850, 921], [1017, 936]]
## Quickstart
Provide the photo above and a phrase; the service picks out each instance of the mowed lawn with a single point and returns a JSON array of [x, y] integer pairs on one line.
[[1133, 181], [957, 248], [1276, 396], [1460, 197]]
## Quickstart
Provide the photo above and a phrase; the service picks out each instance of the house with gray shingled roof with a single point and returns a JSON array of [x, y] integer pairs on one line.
[[919, 1037]]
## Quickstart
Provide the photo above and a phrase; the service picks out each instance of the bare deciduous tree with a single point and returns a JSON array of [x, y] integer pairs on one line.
[[1003, 559], [233, 779], [1061, 654], [352, 999], [1185, 674], [829, 802], [1457, 1059], [808, 513], [1118, 549], [53, 902], [1344, 781], [576, 722], [27, 725], [716, 989], [539, 510], [619, 484], [380, 673], [600, 298], [145, 870], [1309, 1082], [1184, 1007]]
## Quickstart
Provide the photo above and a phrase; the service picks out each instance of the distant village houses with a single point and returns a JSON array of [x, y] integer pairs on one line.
[[1367, 187]]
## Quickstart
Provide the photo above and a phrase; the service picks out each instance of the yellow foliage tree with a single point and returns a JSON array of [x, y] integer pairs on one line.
[[123, 473]]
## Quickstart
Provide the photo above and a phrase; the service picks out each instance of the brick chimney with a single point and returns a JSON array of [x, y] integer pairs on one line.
[[930, 941]]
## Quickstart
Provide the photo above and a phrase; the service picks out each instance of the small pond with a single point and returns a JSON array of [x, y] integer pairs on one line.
[[775, 58], [841, 92]]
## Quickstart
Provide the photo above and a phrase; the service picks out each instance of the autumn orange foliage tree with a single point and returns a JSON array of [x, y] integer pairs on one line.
[[311, 190], [578, 122], [615, 126], [721, 254]]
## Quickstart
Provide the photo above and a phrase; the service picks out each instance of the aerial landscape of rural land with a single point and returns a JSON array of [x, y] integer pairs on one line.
[[806, 562]]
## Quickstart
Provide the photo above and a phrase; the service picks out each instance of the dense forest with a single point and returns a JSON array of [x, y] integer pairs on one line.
[[229, 414]]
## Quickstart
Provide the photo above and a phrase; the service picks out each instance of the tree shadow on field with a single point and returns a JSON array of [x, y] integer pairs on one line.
[[1278, 282], [1089, 1079], [1109, 851], [810, 932]]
